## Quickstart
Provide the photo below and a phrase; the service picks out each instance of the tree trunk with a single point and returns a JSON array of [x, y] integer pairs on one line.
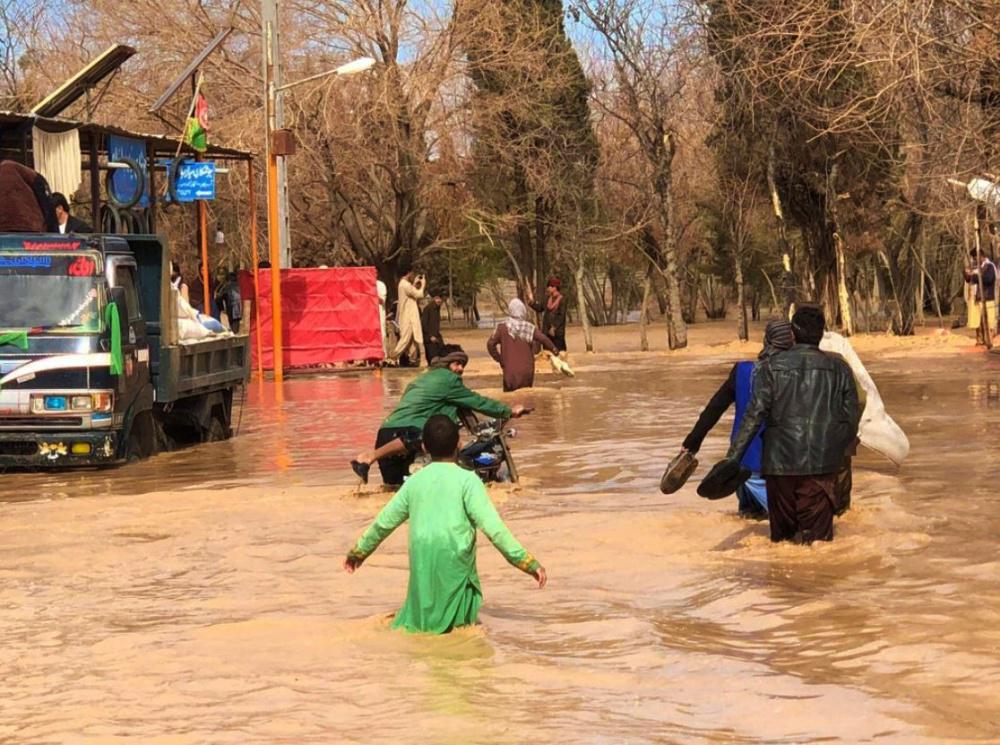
[[676, 328], [845, 297], [581, 302], [741, 300], [644, 312]]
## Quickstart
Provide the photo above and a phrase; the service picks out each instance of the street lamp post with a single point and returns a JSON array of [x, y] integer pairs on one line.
[[277, 194]]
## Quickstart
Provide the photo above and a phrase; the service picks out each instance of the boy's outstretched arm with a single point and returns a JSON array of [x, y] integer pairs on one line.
[[485, 517], [389, 518]]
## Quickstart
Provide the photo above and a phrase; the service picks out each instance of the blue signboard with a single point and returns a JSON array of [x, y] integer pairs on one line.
[[123, 180], [195, 180]]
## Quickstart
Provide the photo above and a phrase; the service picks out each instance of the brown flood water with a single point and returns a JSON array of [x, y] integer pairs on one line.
[[198, 597]]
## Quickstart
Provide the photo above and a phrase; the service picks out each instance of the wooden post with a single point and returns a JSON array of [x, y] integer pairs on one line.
[[254, 259], [95, 182]]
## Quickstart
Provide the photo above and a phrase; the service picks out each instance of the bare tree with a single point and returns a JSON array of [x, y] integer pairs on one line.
[[649, 73], [21, 22]]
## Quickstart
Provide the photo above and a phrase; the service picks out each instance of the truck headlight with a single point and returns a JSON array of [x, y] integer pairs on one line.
[[43, 404], [95, 402]]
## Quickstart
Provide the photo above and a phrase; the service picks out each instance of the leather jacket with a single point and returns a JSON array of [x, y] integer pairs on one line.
[[808, 401]]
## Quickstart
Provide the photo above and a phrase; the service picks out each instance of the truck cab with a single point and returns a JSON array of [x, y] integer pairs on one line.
[[92, 371]]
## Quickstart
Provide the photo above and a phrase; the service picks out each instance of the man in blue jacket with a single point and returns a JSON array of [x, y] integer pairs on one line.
[[738, 389]]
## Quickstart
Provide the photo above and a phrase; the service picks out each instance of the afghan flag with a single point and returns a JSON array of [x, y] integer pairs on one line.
[[196, 132]]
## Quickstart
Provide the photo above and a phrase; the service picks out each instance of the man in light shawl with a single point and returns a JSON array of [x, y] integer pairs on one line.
[[513, 346], [737, 389], [410, 293]]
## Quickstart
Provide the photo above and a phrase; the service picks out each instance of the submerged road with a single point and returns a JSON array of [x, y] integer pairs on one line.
[[198, 597]]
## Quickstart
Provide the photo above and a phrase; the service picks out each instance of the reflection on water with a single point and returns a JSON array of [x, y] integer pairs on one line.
[[197, 597]]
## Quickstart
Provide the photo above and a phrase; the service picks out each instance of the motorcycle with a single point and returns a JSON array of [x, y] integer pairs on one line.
[[488, 454]]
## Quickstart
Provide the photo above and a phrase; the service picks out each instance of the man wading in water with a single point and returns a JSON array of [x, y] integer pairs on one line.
[[810, 404], [738, 389], [444, 504], [440, 390]]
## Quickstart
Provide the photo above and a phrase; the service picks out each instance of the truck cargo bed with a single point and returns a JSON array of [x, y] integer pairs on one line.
[[201, 366]]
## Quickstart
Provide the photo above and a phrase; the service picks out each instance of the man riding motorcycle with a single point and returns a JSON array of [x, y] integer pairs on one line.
[[440, 390]]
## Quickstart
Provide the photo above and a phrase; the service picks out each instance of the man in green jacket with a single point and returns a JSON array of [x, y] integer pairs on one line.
[[440, 390]]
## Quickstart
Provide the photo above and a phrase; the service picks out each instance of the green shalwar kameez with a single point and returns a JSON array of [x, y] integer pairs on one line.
[[444, 504]]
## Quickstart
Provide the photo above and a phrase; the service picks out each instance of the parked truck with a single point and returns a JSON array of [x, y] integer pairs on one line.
[[92, 371]]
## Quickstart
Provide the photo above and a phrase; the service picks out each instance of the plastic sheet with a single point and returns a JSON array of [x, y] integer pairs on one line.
[[328, 316]]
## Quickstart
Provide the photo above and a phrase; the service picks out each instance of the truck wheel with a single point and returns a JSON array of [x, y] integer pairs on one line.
[[216, 431], [141, 439]]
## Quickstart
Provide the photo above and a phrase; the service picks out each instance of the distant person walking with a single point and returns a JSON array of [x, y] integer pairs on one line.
[[430, 320], [809, 401], [987, 271], [553, 311], [513, 346], [411, 292]]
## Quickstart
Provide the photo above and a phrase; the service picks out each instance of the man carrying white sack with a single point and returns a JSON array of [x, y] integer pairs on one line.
[[877, 431]]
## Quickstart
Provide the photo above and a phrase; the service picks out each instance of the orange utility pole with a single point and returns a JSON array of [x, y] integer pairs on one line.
[[255, 261]]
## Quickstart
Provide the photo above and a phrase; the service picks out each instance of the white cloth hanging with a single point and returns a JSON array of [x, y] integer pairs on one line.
[[877, 430], [57, 158]]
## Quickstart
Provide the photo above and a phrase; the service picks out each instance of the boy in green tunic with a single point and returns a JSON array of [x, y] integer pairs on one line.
[[444, 504]]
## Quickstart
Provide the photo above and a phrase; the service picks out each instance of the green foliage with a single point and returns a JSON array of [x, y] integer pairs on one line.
[[535, 151]]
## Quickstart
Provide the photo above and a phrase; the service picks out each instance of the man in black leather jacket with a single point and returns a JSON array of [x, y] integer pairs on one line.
[[809, 402]]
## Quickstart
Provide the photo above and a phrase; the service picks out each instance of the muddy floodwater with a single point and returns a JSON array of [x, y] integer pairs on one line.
[[198, 597]]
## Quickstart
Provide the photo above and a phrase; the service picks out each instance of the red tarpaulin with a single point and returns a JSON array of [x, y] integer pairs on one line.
[[327, 315]]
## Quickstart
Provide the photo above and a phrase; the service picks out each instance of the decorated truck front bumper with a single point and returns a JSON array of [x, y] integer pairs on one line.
[[59, 449]]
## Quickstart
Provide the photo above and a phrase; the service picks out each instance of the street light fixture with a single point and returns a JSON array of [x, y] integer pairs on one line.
[[351, 68], [277, 193]]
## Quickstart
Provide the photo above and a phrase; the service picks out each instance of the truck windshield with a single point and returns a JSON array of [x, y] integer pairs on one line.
[[51, 292]]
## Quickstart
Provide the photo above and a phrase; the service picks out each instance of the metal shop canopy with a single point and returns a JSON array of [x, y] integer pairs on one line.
[[15, 144]]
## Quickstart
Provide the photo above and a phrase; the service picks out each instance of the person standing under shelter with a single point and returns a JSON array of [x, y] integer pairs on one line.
[[444, 505], [411, 292], [67, 222], [553, 311], [430, 321], [513, 346], [196, 292], [809, 401], [230, 301], [987, 273]]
